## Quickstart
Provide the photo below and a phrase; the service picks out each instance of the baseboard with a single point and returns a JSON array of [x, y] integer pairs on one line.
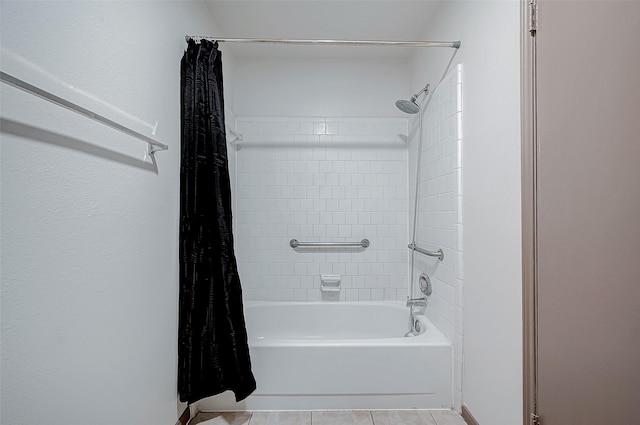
[[185, 417], [468, 417]]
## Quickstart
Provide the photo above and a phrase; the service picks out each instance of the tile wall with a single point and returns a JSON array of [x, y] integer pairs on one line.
[[322, 179], [439, 222], [230, 123]]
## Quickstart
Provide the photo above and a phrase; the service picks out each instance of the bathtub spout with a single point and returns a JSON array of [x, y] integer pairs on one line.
[[412, 303], [417, 302]]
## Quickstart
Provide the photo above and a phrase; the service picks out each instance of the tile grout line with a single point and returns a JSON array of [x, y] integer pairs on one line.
[[434, 419]]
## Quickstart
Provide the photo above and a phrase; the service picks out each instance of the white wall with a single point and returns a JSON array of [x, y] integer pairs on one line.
[[320, 87], [489, 31], [89, 226]]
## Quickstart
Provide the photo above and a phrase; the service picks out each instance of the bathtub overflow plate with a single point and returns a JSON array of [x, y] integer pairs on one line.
[[425, 285], [417, 326]]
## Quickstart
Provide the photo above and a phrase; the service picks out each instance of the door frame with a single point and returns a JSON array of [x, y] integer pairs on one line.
[[529, 211]]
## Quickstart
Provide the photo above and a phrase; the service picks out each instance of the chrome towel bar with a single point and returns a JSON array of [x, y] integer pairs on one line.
[[294, 243], [154, 145], [439, 253]]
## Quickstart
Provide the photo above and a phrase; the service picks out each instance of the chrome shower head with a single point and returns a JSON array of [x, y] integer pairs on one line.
[[411, 106], [408, 106]]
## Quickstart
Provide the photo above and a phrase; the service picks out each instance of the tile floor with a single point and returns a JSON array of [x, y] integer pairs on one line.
[[337, 417]]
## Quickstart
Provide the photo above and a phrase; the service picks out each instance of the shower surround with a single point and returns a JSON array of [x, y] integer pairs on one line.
[[322, 179], [440, 218], [345, 179]]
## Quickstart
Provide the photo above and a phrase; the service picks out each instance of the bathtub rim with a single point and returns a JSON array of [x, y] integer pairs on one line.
[[431, 337]]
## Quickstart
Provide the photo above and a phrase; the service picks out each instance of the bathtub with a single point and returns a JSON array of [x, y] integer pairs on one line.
[[341, 355]]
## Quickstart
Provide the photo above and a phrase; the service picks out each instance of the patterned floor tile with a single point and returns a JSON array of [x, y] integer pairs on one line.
[[342, 417], [402, 417], [281, 418], [221, 418], [447, 417]]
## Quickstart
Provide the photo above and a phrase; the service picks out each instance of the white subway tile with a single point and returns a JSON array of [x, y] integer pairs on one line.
[[311, 141], [300, 218], [344, 205], [319, 128], [344, 154], [350, 217], [324, 193], [338, 192], [294, 205], [351, 269], [294, 127], [325, 139], [377, 269], [401, 293], [359, 231], [313, 218], [306, 127], [345, 128], [338, 218], [364, 218], [287, 295], [319, 205], [390, 294], [356, 204], [339, 269], [313, 192], [351, 295], [306, 230], [300, 295], [364, 294], [377, 294], [319, 230], [344, 231], [364, 167], [344, 179], [325, 166], [338, 166], [332, 127], [364, 269]]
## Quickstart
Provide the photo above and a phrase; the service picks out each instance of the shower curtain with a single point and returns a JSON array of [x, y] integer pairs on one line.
[[213, 355]]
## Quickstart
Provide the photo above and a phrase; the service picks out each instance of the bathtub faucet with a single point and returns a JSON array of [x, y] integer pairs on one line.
[[412, 303], [417, 302]]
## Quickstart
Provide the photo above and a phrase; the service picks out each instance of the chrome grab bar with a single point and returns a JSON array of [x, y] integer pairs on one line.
[[293, 243], [439, 253]]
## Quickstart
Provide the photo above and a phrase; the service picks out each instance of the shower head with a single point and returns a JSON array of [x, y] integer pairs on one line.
[[408, 106], [411, 106]]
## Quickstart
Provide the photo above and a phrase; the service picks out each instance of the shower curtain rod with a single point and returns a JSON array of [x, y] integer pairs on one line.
[[453, 44]]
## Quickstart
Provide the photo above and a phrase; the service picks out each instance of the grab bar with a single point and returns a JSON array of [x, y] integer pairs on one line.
[[439, 253], [293, 243]]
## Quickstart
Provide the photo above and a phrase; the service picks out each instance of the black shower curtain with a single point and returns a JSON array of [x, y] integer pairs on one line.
[[213, 355]]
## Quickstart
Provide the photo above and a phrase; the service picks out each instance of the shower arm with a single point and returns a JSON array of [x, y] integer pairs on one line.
[[424, 90]]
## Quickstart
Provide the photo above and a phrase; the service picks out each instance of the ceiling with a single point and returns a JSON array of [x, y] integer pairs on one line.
[[322, 19]]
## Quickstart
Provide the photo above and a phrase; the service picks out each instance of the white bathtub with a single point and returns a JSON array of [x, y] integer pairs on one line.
[[342, 355]]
